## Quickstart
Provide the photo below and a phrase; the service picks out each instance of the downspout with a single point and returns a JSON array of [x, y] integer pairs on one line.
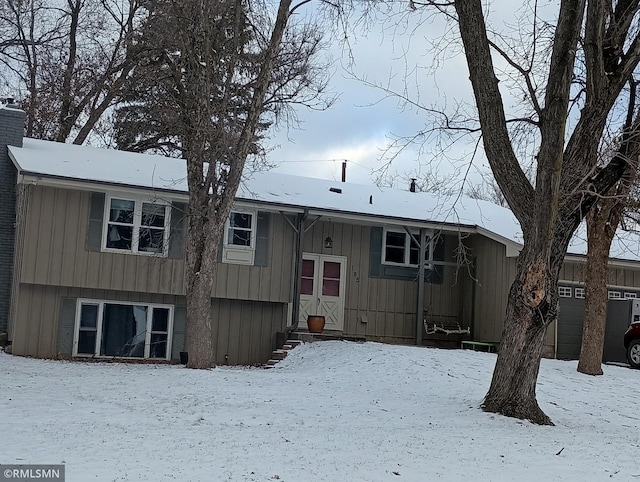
[[420, 303], [474, 283], [297, 272]]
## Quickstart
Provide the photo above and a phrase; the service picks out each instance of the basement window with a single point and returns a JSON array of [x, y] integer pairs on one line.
[[136, 226], [123, 330]]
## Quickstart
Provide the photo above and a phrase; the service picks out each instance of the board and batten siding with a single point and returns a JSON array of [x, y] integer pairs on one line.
[[40, 311], [55, 254], [494, 274], [244, 331], [573, 272], [379, 307]]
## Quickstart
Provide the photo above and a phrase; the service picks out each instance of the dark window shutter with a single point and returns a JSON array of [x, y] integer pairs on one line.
[[438, 247], [179, 328], [375, 252], [262, 240], [220, 249], [96, 215], [66, 325], [177, 230]]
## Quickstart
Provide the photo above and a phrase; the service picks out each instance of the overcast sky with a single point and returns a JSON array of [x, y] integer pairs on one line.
[[360, 125]]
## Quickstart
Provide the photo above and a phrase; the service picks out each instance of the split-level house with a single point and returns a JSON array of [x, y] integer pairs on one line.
[[93, 244]]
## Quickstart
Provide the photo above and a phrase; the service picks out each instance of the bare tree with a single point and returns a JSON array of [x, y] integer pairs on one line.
[[602, 223], [230, 65], [571, 76], [488, 190], [147, 118], [67, 61], [566, 183]]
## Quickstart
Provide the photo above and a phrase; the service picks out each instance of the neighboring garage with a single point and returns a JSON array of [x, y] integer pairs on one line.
[[571, 314]]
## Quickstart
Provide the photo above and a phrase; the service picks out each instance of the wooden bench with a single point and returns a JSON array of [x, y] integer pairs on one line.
[[479, 345]]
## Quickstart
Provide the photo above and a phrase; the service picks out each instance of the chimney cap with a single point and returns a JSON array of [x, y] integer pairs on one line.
[[9, 102]]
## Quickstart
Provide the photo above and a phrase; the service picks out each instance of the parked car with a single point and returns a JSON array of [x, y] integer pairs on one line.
[[632, 344]]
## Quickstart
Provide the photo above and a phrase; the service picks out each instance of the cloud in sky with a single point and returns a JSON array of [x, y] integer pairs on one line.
[[360, 125], [325, 159]]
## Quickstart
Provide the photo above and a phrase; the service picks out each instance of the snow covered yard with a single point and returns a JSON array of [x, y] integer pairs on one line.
[[331, 411]]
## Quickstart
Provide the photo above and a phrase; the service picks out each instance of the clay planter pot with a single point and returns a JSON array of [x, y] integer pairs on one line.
[[315, 323]]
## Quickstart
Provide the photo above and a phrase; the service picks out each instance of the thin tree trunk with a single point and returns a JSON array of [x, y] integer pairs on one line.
[[602, 223], [599, 239], [65, 120]]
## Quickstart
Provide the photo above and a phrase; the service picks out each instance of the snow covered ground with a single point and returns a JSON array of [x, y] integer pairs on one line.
[[332, 411]]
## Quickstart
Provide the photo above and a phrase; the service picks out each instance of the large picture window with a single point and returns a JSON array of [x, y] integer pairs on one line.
[[126, 330], [399, 248], [136, 226]]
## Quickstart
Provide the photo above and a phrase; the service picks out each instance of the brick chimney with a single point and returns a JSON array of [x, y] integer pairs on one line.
[[11, 134]]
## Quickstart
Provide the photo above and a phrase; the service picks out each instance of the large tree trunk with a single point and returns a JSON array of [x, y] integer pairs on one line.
[[198, 340], [201, 252], [513, 387], [567, 184], [213, 175]]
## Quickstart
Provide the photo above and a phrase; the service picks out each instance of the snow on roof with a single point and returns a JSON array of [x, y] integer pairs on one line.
[[368, 200], [69, 161], [121, 168]]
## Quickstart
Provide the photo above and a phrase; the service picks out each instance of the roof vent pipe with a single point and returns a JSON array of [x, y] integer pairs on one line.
[[344, 171], [412, 187]]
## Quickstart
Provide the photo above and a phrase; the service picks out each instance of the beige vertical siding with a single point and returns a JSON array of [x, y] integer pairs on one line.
[[573, 272], [244, 331], [494, 274], [379, 307], [38, 313], [22, 206], [55, 254]]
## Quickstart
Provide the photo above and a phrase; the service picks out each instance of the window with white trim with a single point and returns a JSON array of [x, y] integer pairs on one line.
[[123, 330], [401, 249], [565, 292], [615, 295], [136, 226], [629, 296], [579, 293], [240, 237]]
